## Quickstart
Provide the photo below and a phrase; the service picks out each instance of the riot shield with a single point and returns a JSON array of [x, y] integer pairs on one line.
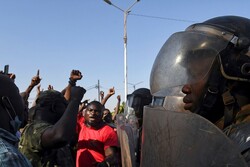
[[181, 139], [126, 140]]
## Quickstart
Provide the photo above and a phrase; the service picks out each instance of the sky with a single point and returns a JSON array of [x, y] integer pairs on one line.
[[57, 36]]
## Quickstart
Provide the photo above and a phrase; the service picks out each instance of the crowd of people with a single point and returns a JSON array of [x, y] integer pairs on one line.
[[207, 67], [59, 128]]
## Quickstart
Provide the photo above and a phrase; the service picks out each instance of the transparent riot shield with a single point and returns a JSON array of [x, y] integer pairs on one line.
[[181, 139], [126, 140]]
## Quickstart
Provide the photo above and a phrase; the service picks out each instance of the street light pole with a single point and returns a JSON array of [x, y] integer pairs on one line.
[[135, 84], [125, 39], [125, 57]]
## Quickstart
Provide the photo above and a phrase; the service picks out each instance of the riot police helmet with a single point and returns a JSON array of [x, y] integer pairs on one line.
[[136, 101], [216, 49]]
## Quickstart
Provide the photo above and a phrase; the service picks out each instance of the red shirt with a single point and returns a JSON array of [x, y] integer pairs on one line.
[[92, 143], [80, 122]]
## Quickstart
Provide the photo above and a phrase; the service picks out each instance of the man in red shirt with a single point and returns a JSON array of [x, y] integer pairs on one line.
[[97, 142]]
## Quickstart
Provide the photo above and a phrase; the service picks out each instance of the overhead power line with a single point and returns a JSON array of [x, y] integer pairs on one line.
[[163, 18], [91, 87]]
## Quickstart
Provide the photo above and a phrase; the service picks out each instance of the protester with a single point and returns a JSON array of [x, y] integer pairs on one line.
[[11, 113], [101, 95], [25, 95], [109, 94], [45, 141], [117, 108], [107, 116], [34, 82], [97, 143]]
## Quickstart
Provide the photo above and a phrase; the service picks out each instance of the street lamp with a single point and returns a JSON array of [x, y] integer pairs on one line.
[[125, 12], [135, 84]]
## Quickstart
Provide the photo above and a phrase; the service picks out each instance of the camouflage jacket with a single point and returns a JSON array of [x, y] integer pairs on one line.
[[30, 146]]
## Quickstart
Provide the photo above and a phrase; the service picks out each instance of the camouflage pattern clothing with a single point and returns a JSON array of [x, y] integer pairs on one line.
[[30, 146]]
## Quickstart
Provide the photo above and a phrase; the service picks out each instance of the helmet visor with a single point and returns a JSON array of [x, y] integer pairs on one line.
[[133, 104], [134, 100], [185, 58]]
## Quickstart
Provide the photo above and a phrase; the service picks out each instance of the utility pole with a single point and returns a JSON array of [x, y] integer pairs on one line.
[[98, 89]]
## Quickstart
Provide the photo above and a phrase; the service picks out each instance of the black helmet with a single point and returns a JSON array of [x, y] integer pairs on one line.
[[217, 48], [235, 63], [136, 101]]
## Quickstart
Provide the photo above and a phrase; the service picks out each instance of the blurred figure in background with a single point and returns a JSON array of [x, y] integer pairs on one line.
[[12, 114]]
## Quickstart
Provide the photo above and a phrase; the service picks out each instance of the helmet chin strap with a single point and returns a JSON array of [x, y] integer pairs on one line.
[[215, 85], [218, 86], [231, 107]]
